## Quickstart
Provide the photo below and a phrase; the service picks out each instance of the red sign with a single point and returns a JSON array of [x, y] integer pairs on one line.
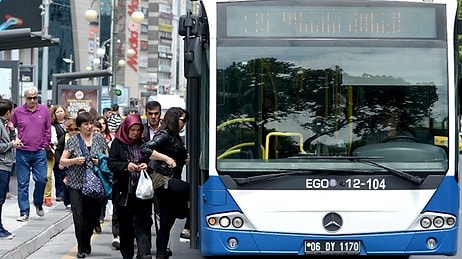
[[133, 39]]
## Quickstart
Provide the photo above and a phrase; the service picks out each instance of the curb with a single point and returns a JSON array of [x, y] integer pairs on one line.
[[29, 246]]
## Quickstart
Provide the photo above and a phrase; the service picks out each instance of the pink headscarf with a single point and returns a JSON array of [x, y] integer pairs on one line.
[[122, 131]]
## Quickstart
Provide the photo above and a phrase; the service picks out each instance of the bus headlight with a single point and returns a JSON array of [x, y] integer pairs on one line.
[[450, 221], [238, 222], [430, 220], [431, 243], [229, 220], [438, 222], [224, 222], [232, 243], [212, 221], [425, 222]]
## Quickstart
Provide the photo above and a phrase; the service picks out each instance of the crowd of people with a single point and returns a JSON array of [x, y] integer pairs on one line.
[[54, 147]]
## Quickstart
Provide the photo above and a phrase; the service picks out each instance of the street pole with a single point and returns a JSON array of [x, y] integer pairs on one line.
[[45, 33], [113, 46]]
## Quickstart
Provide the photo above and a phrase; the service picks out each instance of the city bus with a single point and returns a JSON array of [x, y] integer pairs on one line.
[[316, 126]]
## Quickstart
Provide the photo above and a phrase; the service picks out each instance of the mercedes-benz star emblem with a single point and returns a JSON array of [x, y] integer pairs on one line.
[[332, 222]]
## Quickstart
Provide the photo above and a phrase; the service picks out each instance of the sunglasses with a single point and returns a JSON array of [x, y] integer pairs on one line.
[[184, 120], [31, 98]]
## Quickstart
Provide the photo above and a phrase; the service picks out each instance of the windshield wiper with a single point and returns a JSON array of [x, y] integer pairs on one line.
[[260, 178], [365, 160], [406, 176]]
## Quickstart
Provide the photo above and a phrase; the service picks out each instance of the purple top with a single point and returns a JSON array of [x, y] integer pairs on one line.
[[34, 127]]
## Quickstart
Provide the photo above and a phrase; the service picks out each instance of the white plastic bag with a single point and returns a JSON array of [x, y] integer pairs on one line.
[[144, 189]]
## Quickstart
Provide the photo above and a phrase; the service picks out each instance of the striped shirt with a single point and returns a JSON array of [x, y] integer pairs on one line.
[[113, 122]]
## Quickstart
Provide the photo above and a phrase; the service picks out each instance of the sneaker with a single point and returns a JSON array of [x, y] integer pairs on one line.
[[22, 218], [48, 202], [68, 208], [116, 243], [5, 234], [185, 237], [10, 196], [59, 199], [39, 210]]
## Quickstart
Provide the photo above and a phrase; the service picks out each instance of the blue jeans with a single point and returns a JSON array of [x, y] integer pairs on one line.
[[4, 181], [27, 161], [59, 176]]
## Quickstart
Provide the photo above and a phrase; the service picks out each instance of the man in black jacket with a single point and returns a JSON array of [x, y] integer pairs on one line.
[[153, 117]]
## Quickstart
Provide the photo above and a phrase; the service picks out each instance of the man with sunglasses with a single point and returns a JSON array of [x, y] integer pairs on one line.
[[33, 123]]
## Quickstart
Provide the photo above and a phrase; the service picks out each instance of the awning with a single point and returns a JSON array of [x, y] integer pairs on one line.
[[24, 39]]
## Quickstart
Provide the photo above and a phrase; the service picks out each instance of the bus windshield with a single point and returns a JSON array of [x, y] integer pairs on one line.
[[302, 100]]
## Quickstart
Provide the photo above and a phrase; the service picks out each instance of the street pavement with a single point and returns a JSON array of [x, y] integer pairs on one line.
[[33, 234]]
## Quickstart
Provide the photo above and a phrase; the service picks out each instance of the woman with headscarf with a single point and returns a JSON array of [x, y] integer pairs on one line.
[[126, 163], [168, 157]]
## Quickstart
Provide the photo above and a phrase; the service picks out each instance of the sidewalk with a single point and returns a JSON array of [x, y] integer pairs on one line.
[[31, 235]]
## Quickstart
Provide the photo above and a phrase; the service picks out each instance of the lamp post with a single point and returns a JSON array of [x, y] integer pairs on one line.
[[91, 15], [69, 61]]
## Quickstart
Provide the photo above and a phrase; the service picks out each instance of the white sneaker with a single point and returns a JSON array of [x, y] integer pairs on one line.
[[116, 243], [22, 218], [5, 234]]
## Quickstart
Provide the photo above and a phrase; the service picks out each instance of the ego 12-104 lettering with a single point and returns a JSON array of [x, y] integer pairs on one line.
[[351, 183]]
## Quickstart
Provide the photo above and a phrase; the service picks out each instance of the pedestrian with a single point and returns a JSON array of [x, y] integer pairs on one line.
[[8, 143], [33, 124], [59, 118], [71, 130], [50, 163], [101, 121], [153, 115], [134, 214], [168, 156], [85, 209], [107, 112], [114, 121], [100, 125]]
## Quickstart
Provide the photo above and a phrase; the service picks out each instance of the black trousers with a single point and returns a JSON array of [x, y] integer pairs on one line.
[[115, 221], [172, 204], [85, 213], [135, 222]]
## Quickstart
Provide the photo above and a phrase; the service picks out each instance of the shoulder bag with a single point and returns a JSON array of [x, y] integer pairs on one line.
[[92, 184]]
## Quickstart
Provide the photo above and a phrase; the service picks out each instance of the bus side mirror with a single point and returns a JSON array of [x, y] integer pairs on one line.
[[191, 22], [192, 57]]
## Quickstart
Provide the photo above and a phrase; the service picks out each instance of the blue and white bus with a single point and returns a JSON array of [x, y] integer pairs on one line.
[[316, 126]]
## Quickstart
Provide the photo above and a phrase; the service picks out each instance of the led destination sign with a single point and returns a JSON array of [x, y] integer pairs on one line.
[[330, 21]]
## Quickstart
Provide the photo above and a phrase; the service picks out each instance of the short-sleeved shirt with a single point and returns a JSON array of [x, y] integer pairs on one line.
[[75, 172], [34, 127], [113, 122]]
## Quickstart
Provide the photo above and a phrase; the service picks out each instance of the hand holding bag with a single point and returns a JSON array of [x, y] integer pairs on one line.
[[144, 188]]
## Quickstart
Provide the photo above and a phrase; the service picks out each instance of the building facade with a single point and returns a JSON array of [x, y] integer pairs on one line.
[[146, 57]]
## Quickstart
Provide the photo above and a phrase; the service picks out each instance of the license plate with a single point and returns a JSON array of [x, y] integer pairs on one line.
[[332, 247]]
